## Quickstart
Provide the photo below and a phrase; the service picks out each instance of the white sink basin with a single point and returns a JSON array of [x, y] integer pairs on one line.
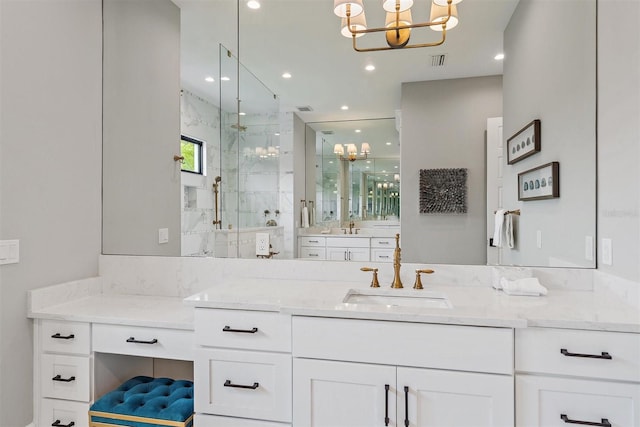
[[398, 298]]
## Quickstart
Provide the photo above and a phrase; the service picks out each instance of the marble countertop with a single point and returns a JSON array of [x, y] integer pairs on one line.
[[473, 305], [135, 310]]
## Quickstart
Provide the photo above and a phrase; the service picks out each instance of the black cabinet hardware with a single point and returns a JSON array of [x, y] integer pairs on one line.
[[386, 404], [63, 380], [62, 337], [406, 406], [603, 355], [133, 340], [244, 331], [58, 423], [604, 423], [228, 383]]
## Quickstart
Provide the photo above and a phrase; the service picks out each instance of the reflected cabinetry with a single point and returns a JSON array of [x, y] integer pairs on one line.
[[343, 248]]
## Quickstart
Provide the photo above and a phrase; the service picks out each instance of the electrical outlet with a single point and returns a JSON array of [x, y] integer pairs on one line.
[[607, 252], [163, 235], [262, 243]]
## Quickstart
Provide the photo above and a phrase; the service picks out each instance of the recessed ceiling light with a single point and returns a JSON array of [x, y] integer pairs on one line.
[[499, 56], [344, 107], [277, 134], [209, 79], [387, 143], [367, 167], [242, 113], [370, 67], [358, 131], [331, 162], [253, 4], [225, 78], [368, 161], [286, 75], [395, 167]]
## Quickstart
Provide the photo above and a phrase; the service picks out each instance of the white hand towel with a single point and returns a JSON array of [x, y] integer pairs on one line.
[[525, 287], [508, 231], [305, 217], [498, 228]]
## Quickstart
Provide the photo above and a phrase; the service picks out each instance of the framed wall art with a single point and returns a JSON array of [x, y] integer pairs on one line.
[[540, 183], [443, 191], [524, 143]]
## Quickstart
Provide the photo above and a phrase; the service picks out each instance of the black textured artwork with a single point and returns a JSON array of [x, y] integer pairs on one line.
[[443, 190]]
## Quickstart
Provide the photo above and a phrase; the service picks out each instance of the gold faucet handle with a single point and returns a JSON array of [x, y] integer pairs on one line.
[[418, 283], [374, 280]]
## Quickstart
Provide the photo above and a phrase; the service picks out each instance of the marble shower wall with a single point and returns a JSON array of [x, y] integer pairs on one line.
[[199, 119]]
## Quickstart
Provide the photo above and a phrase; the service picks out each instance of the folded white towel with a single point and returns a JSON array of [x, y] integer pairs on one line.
[[498, 228], [509, 273], [305, 217], [508, 231], [527, 287]]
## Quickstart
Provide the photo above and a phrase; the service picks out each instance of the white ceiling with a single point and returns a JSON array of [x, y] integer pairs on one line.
[[302, 37]]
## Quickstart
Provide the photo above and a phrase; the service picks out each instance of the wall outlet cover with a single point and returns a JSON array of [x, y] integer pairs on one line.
[[262, 243], [163, 235]]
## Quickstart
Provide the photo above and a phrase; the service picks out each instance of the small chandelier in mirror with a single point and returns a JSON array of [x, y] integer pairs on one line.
[[398, 22], [352, 151]]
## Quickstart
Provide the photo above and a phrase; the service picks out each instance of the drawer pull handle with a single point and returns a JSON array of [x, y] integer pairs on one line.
[[604, 355], [242, 331], [383, 243], [64, 380], [383, 256], [62, 337], [133, 340], [228, 383], [604, 423], [386, 404], [58, 423], [313, 241], [406, 406]]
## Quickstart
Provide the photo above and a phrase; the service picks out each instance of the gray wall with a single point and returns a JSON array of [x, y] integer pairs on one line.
[[50, 168], [550, 75], [141, 127], [619, 134], [443, 126]]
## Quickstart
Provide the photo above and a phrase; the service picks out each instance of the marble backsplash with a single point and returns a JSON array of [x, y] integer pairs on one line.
[[181, 277]]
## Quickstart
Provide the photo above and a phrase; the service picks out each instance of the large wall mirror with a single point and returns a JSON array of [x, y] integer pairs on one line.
[[267, 94]]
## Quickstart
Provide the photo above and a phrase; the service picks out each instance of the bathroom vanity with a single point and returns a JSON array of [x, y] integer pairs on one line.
[[276, 353]]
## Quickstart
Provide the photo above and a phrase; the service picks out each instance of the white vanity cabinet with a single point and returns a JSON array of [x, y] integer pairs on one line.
[[376, 373], [348, 249], [577, 377], [312, 247], [382, 249], [242, 368], [63, 373]]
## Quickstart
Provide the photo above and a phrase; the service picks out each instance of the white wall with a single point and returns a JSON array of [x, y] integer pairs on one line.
[[619, 135], [551, 75], [50, 168], [443, 126]]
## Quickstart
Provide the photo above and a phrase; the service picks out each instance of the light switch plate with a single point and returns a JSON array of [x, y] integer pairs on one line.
[[163, 235], [9, 251], [539, 239]]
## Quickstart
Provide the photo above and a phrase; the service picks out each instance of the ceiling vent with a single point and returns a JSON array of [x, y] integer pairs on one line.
[[327, 132], [438, 60], [304, 109]]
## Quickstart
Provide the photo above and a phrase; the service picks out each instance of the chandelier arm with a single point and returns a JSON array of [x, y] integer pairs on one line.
[[376, 49], [397, 26]]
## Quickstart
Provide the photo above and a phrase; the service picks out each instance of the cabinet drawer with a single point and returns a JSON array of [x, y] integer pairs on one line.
[[540, 350], [65, 377], [239, 329], [383, 242], [140, 341], [313, 253], [541, 401], [348, 242], [64, 412], [382, 255], [243, 384], [204, 420], [312, 241], [65, 337], [463, 348]]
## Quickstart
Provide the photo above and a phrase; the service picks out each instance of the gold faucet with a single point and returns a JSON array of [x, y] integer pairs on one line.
[[351, 226], [397, 282]]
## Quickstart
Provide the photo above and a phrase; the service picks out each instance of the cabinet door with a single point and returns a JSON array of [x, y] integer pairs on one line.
[[342, 394], [337, 254], [543, 401], [454, 399], [358, 254]]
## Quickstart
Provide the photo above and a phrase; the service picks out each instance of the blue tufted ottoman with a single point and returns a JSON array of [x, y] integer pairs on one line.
[[145, 402]]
